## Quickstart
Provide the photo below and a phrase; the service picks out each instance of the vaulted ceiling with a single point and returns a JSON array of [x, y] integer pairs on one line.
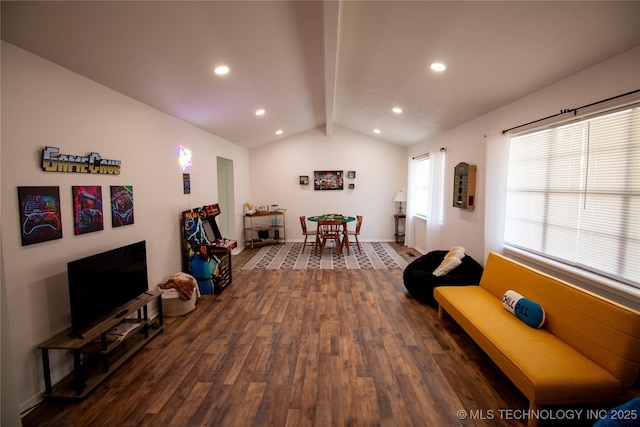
[[312, 64]]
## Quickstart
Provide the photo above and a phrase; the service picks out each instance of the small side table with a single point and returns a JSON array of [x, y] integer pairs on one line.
[[400, 224]]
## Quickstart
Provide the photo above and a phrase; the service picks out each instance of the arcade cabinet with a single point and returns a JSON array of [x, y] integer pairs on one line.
[[206, 254]]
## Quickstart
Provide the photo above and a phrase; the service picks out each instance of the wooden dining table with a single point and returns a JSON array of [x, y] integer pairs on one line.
[[344, 219]]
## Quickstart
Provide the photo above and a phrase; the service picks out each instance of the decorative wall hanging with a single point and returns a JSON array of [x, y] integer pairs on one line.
[[304, 180], [464, 186], [352, 186], [186, 183], [40, 217], [351, 174], [328, 180], [53, 161], [121, 205], [87, 209]]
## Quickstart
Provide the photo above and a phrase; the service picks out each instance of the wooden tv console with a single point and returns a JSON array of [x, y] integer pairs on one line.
[[101, 356]]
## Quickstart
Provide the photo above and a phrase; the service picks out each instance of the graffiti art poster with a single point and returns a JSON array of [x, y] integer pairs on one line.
[[87, 209], [121, 205], [40, 218]]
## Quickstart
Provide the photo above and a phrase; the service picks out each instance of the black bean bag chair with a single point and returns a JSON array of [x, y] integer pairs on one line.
[[419, 279]]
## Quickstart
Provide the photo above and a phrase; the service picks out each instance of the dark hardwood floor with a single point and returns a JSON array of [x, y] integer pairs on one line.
[[301, 348]]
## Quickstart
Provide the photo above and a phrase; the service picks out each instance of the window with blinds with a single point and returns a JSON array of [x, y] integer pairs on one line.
[[573, 194]]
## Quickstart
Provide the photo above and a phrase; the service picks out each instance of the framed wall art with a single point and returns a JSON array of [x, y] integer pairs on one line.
[[328, 180], [121, 205], [87, 209], [40, 217]]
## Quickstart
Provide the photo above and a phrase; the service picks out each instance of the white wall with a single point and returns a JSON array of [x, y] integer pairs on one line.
[[466, 143], [381, 170], [44, 104]]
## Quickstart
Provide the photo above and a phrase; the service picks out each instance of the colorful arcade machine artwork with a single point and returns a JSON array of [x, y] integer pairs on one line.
[[206, 254]]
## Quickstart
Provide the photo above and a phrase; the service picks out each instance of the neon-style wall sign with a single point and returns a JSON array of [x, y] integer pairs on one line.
[[184, 157]]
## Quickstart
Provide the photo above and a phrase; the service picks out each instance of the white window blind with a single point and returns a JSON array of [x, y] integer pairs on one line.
[[573, 194]]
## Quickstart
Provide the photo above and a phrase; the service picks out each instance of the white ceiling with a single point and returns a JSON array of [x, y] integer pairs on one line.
[[323, 64]]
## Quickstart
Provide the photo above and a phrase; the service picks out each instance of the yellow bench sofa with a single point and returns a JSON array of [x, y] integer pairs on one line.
[[587, 351]]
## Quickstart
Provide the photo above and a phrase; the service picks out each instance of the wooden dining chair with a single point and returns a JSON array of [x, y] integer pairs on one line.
[[306, 233], [329, 230], [355, 233]]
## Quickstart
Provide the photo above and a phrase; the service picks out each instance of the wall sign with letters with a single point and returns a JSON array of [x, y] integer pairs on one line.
[[53, 161]]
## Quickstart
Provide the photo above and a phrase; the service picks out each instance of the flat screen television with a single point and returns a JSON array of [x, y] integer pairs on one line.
[[100, 284]]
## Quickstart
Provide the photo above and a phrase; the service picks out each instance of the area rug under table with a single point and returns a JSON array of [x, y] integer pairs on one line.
[[289, 256]]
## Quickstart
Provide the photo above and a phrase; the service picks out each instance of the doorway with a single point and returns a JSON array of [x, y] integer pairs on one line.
[[226, 198]]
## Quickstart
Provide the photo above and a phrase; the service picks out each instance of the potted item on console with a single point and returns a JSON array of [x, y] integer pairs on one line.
[[206, 254]]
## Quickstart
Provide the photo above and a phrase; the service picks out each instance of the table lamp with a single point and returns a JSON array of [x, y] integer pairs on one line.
[[400, 197]]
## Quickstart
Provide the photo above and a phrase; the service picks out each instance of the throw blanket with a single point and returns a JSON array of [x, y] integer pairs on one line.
[[181, 282], [452, 259]]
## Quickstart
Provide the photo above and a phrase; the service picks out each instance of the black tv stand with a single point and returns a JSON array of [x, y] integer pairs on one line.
[[86, 376]]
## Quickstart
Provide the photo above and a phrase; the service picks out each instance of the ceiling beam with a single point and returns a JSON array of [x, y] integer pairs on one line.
[[331, 19]]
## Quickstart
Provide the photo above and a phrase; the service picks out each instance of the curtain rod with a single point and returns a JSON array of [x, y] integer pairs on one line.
[[427, 155], [572, 110]]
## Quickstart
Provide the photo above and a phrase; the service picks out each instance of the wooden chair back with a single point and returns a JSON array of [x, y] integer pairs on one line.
[[358, 224], [350, 242], [329, 228], [306, 233]]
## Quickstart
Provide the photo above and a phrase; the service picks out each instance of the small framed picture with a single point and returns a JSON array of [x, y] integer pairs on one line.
[[304, 180], [186, 183], [352, 186], [351, 174]]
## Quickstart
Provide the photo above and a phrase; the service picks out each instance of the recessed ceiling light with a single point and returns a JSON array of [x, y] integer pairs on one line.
[[397, 110], [376, 131], [438, 66], [260, 112], [279, 132], [221, 70]]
